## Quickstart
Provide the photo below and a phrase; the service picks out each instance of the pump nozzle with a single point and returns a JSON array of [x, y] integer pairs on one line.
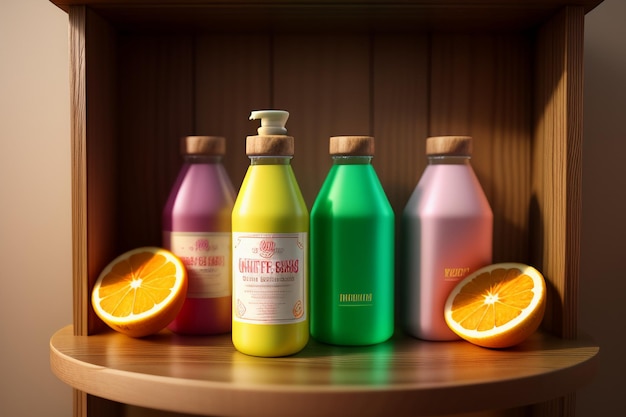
[[272, 121]]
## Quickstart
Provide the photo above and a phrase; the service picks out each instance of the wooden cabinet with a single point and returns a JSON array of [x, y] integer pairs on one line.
[[507, 72]]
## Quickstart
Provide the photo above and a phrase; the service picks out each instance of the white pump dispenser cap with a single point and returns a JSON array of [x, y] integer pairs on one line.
[[272, 139], [272, 121]]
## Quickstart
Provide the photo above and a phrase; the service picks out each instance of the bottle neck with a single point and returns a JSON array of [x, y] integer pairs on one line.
[[203, 159], [270, 160], [351, 160], [448, 160]]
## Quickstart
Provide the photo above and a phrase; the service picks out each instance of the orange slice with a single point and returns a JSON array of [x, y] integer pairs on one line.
[[141, 291], [497, 306]]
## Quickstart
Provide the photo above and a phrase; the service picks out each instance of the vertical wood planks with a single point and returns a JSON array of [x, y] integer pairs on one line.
[[156, 78], [78, 81], [557, 168], [93, 126], [400, 113], [324, 82], [399, 89], [511, 147], [562, 406], [233, 77], [480, 87]]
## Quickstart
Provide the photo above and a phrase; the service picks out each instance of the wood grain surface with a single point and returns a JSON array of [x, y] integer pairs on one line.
[[206, 375]]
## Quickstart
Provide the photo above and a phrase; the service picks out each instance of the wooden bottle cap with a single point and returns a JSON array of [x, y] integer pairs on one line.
[[449, 145], [269, 145], [351, 145], [203, 145]]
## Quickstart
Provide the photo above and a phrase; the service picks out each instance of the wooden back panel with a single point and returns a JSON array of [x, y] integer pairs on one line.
[[144, 90]]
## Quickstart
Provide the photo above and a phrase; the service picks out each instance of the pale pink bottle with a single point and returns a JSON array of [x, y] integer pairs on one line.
[[447, 233], [197, 228]]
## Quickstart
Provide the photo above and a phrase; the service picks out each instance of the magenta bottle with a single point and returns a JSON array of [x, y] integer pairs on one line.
[[197, 228], [446, 233]]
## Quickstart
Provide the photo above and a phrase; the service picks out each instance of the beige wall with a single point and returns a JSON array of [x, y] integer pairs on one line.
[[35, 223], [35, 241]]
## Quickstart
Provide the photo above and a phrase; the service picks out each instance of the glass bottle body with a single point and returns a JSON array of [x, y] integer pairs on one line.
[[270, 224], [352, 256], [197, 228], [447, 228]]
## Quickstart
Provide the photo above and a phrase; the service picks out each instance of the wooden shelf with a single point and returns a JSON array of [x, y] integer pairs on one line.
[[207, 376], [507, 72]]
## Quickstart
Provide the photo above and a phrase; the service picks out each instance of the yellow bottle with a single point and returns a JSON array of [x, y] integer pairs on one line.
[[270, 226]]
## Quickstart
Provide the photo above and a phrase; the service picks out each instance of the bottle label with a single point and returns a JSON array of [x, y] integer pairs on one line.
[[456, 273], [269, 277], [356, 299], [207, 259]]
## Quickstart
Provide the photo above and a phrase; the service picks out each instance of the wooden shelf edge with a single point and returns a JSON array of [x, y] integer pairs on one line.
[[353, 15], [207, 376]]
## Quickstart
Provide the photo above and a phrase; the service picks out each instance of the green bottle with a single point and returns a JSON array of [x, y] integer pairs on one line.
[[352, 250]]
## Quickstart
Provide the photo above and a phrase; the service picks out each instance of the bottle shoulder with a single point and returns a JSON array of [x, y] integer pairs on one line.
[[269, 180], [199, 186], [449, 189], [352, 189], [270, 191]]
